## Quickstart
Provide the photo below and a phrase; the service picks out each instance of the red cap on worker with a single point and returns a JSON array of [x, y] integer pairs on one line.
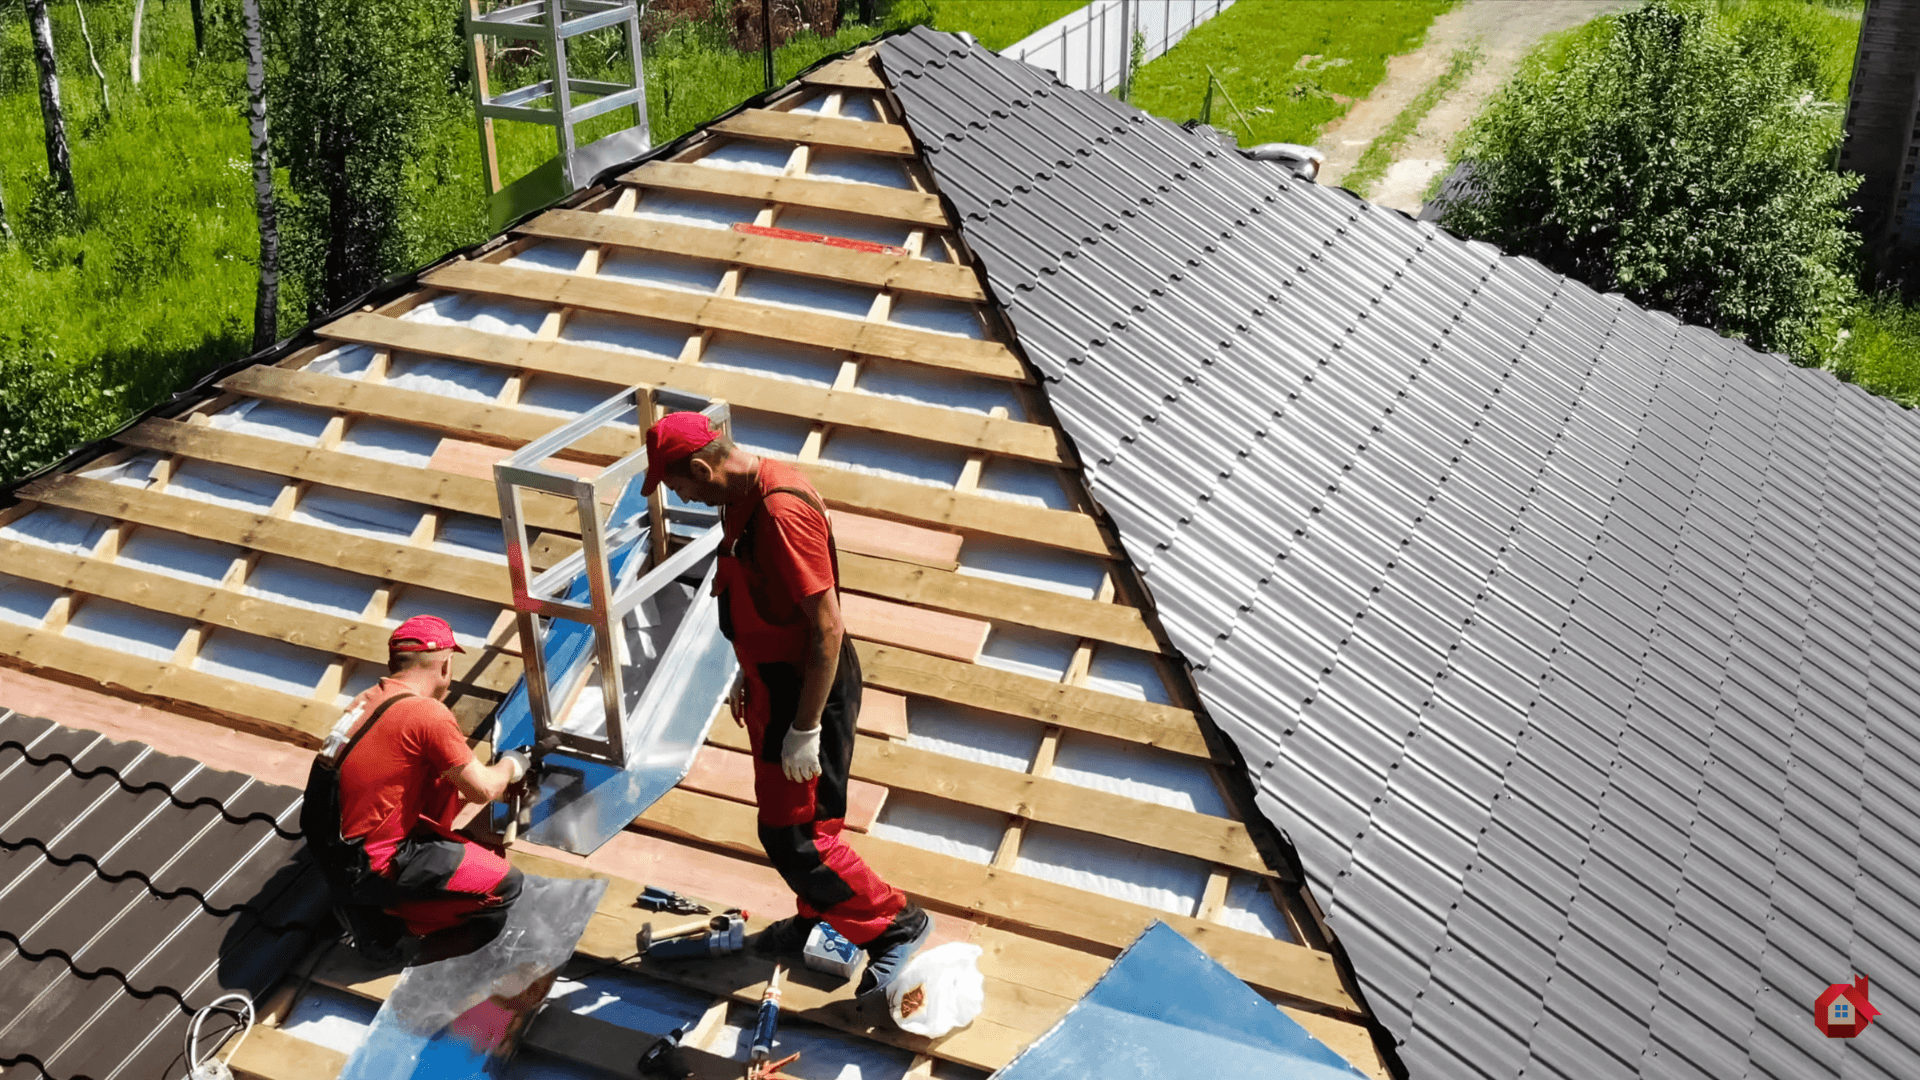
[[423, 633], [672, 441]]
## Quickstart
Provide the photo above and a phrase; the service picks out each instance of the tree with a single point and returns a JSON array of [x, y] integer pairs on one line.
[[199, 27], [1685, 167], [133, 55], [106, 99], [266, 298], [6, 230], [352, 88], [59, 159]]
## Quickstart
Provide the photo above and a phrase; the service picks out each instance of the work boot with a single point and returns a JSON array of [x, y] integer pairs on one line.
[[889, 952], [788, 937]]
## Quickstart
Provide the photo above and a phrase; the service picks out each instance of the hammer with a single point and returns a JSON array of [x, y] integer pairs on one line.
[[719, 929]]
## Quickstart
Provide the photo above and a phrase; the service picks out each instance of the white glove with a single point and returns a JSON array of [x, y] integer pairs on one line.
[[518, 762], [800, 755]]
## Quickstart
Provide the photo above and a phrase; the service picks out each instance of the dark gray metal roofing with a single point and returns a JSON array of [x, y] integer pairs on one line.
[[1573, 648], [135, 888]]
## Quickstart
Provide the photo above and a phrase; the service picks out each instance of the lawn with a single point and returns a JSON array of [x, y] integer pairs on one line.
[[1289, 67], [150, 284]]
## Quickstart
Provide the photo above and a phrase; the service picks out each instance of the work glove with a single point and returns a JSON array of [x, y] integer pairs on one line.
[[737, 700], [800, 755], [517, 762]]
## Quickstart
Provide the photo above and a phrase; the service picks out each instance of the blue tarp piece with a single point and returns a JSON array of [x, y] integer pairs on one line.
[[1167, 1011]]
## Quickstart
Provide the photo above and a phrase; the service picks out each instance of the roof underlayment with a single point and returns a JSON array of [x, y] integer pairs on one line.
[[1030, 766], [1572, 647]]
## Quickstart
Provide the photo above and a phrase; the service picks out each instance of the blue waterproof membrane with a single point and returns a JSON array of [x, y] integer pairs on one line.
[[1167, 1011]]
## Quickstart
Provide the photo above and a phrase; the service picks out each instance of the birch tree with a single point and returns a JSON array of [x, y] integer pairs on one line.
[[266, 300], [59, 159], [139, 16], [106, 99]]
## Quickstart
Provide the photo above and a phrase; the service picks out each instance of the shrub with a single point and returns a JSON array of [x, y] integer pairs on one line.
[[1682, 161]]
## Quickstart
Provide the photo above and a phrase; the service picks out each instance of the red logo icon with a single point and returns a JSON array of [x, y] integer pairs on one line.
[[1841, 1012]]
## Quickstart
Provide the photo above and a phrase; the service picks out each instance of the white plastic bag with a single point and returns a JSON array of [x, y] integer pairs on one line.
[[951, 990]]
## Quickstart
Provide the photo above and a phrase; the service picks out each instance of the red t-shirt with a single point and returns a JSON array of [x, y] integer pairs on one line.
[[791, 553], [397, 775]]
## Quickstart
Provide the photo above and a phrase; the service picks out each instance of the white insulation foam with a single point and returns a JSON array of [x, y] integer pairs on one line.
[[664, 271], [621, 334], [178, 555], [564, 395], [860, 107], [1024, 563], [966, 832], [260, 661], [347, 361], [472, 619], [696, 208], [471, 536], [25, 602], [224, 485], [559, 256], [1040, 653], [1250, 906], [774, 359], [1116, 868], [1141, 772], [136, 471], [358, 512], [769, 433], [128, 629], [385, 440], [880, 454], [973, 734], [814, 106], [1130, 673], [492, 314], [360, 678], [807, 294], [938, 316], [750, 155], [273, 420], [447, 378], [1023, 482], [70, 531], [912, 382], [310, 585], [846, 226], [857, 168]]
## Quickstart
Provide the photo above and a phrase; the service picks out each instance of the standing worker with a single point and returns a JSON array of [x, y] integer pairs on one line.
[[778, 584], [382, 797]]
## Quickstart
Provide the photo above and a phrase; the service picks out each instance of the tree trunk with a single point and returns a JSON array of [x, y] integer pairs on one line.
[[106, 99], [866, 12], [199, 28], [139, 15], [6, 230], [266, 299], [59, 160]]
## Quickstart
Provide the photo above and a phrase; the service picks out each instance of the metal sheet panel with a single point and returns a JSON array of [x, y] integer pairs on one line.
[[1572, 647], [135, 888]]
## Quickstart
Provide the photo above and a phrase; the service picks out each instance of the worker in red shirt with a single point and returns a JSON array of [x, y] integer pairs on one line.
[[778, 583], [382, 797]]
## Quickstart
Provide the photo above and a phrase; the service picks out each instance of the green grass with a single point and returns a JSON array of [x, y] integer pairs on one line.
[[1291, 66], [1380, 152], [1882, 349]]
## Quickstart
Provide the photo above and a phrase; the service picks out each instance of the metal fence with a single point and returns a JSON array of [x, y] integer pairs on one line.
[[1092, 48]]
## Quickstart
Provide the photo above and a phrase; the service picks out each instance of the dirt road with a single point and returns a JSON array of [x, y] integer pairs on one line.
[[1504, 31]]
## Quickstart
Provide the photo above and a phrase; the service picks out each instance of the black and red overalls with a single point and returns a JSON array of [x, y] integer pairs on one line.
[[775, 551]]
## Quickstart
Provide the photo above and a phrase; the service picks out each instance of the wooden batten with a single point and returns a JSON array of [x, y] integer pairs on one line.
[[830, 131]]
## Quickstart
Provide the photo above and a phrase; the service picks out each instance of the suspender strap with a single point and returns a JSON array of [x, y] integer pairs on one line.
[[808, 497], [378, 712]]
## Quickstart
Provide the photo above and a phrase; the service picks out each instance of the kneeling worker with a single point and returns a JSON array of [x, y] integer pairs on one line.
[[778, 584], [383, 795]]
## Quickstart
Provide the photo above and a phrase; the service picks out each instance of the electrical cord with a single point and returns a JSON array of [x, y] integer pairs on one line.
[[212, 1068]]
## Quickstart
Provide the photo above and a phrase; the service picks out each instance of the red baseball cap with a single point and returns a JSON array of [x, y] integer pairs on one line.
[[672, 441], [423, 633]]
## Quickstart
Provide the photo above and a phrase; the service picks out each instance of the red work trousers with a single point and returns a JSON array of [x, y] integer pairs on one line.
[[800, 824]]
